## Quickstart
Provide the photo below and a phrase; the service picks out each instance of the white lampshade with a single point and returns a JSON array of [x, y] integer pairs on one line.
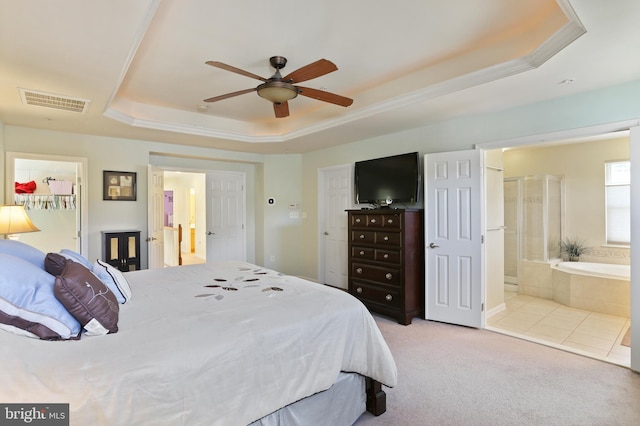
[[14, 220]]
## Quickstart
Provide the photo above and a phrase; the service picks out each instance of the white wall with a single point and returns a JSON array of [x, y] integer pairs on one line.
[[273, 233]]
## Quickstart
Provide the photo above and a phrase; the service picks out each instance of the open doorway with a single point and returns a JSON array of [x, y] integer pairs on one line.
[[184, 218], [55, 200], [553, 192]]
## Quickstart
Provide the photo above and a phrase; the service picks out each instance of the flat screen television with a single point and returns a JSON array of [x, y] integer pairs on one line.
[[388, 180]]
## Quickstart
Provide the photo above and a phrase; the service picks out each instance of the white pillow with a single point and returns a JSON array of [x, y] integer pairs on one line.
[[114, 279]]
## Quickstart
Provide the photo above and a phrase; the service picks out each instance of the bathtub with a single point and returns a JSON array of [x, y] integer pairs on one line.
[[591, 269], [596, 287]]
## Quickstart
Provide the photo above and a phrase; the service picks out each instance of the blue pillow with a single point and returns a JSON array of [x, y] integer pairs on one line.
[[27, 301], [114, 280], [76, 257], [23, 251]]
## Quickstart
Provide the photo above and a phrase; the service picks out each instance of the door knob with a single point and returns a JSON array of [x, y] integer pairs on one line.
[[210, 233], [433, 245], [326, 233]]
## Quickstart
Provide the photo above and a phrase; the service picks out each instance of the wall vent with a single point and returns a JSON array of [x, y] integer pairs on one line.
[[50, 100]]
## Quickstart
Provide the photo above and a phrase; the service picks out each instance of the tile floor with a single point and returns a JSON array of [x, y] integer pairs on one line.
[[548, 322]]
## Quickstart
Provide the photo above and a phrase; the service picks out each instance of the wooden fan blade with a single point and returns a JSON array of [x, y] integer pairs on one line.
[[281, 109], [234, 69], [321, 95], [230, 95], [313, 70]]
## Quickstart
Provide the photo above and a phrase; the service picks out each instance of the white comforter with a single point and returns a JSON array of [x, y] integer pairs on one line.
[[191, 354]]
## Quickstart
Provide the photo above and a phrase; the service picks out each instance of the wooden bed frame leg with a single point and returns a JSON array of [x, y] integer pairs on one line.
[[376, 397]]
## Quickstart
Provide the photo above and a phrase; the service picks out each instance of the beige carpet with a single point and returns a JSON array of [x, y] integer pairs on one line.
[[450, 375]]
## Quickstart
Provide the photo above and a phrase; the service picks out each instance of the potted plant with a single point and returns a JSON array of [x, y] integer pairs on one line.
[[572, 248]]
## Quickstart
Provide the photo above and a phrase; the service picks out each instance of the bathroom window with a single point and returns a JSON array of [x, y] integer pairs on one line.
[[618, 202]]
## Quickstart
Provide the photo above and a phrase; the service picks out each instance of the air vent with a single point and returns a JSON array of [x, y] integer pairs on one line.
[[50, 100]]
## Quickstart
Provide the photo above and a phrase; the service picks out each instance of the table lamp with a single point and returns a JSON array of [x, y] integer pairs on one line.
[[14, 220]]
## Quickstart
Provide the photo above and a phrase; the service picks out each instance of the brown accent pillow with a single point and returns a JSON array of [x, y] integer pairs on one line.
[[87, 299], [54, 263]]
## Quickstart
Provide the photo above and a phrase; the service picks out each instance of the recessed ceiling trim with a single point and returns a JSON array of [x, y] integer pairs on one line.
[[562, 38], [187, 129], [51, 100]]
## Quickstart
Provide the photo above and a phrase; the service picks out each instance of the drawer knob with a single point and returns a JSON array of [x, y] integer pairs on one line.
[[386, 238], [373, 221], [388, 276], [358, 270], [358, 220], [389, 298], [386, 255], [390, 221], [359, 290], [362, 236], [361, 252]]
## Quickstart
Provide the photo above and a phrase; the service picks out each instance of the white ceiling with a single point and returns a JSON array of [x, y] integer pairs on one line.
[[141, 64]]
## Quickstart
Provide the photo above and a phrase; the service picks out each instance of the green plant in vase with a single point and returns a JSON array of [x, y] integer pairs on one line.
[[572, 248]]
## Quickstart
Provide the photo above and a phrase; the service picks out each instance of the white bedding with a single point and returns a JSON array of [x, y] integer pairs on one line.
[[190, 354]]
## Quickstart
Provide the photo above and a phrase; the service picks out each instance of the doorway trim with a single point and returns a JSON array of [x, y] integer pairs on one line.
[[12, 156], [633, 126]]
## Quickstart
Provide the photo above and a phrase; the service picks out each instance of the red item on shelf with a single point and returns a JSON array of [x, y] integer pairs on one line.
[[25, 188]]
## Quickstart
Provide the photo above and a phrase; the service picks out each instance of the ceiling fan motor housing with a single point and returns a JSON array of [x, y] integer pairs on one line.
[[278, 62]]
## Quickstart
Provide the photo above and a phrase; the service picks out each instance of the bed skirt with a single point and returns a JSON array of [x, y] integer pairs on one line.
[[341, 404]]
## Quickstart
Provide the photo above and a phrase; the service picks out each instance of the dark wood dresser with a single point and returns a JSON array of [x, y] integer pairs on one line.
[[386, 261]]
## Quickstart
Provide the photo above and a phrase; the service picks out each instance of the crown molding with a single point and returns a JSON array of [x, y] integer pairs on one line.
[[562, 38]]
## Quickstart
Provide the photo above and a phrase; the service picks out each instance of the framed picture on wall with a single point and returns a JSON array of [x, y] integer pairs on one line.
[[118, 186]]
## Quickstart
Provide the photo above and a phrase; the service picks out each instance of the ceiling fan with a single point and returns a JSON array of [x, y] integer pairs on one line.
[[279, 90]]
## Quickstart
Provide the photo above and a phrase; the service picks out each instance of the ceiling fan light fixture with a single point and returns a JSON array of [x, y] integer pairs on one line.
[[277, 91]]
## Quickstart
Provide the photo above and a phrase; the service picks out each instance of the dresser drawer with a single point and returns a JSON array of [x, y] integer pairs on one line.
[[364, 253], [389, 276], [359, 220], [377, 221], [387, 256], [379, 295], [386, 221], [378, 255], [391, 239], [365, 237]]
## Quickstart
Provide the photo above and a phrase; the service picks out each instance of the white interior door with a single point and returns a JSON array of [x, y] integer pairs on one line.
[[155, 239], [226, 238], [453, 218], [335, 196]]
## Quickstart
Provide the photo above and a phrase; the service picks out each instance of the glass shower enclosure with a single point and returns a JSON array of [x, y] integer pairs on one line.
[[533, 214]]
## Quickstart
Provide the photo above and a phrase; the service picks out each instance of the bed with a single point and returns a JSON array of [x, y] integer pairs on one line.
[[222, 343]]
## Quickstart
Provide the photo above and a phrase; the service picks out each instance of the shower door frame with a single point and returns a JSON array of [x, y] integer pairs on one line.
[[545, 219], [508, 279]]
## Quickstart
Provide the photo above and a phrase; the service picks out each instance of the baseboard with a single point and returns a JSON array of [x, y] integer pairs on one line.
[[511, 287], [501, 307]]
